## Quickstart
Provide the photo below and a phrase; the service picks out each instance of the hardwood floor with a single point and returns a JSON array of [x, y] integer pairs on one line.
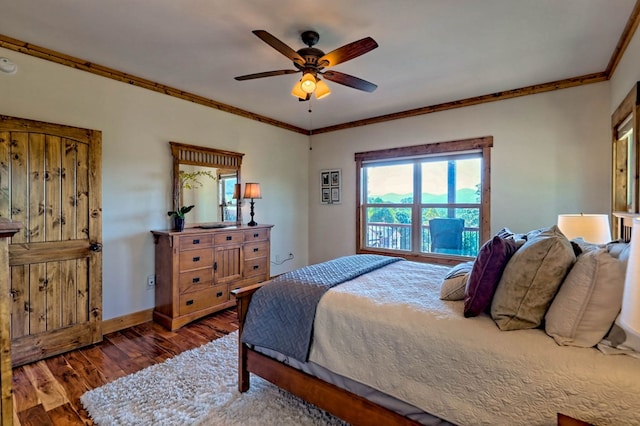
[[48, 392]]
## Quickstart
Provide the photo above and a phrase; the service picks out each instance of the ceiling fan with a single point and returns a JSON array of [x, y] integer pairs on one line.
[[311, 62]]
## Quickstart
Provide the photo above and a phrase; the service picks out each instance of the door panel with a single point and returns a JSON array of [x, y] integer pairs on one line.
[[50, 180]]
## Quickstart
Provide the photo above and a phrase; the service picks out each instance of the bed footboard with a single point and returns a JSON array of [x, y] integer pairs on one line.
[[341, 403], [243, 297]]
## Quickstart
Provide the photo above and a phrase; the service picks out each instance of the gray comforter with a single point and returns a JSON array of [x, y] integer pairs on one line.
[[281, 314]]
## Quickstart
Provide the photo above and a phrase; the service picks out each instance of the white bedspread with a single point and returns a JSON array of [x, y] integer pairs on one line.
[[389, 330]]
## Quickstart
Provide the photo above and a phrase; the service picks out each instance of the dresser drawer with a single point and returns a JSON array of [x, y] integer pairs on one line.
[[189, 242], [255, 267], [256, 249], [196, 279], [206, 298], [256, 235], [195, 259], [227, 238]]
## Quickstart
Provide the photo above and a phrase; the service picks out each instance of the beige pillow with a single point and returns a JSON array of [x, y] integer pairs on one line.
[[531, 279], [588, 301], [455, 282]]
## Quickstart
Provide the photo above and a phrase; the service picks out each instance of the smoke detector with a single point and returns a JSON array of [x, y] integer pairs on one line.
[[7, 67]]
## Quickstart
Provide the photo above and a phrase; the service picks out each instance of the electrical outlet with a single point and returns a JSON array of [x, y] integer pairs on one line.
[[278, 258], [151, 280]]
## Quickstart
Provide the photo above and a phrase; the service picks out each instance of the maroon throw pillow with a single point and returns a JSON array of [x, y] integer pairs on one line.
[[485, 274]]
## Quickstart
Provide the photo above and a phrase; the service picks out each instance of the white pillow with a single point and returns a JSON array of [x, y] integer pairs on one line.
[[588, 301], [455, 282]]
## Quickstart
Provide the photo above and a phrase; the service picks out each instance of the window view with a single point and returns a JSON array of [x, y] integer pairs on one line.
[[228, 203], [430, 204]]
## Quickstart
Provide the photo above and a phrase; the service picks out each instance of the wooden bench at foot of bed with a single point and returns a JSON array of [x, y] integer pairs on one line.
[[348, 406]]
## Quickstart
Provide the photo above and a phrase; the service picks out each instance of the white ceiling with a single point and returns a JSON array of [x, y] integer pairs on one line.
[[430, 51]]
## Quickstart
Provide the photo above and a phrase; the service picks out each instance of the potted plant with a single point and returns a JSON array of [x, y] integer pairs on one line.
[[178, 217], [187, 180]]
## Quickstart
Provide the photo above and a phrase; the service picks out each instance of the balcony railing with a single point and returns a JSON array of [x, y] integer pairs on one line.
[[397, 236]]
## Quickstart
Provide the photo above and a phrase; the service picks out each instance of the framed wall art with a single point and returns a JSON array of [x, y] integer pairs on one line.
[[331, 186]]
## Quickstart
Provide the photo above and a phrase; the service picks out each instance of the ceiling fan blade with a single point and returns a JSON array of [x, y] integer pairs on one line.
[[349, 80], [265, 74], [279, 46], [347, 52]]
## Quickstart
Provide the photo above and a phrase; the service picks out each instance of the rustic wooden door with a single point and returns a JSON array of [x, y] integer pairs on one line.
[[50, 180]]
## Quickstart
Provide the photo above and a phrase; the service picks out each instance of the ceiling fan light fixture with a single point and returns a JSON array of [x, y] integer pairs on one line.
[[297, 91], [308, 83], [322, 89]]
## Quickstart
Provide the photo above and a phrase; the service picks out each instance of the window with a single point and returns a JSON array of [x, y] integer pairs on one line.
[[426, 202], [227, 183]]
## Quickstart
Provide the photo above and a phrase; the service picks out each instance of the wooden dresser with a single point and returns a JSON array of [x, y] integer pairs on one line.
[[196, 269]]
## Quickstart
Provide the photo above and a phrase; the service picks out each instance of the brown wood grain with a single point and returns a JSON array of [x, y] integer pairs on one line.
[[55, 277], [65, 377], [217, 265], [24, 393], [625, 38], [7, 230], [5, 190], [66, 415], [19, 180], [36, 416], [49, 391]]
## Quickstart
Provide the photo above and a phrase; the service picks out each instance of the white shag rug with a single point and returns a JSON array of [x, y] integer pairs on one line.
[[198, 387]]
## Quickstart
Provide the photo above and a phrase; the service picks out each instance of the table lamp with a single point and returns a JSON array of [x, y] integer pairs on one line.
[[592, 228], [252, 191]]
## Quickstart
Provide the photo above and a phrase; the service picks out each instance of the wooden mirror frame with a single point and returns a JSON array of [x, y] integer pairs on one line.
[[205, 157]]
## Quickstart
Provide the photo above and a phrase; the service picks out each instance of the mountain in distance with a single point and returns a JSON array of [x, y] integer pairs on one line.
[[464, 195]]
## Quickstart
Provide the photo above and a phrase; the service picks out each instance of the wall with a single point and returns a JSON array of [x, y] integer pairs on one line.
[[627, 74], [551, 155], [136, 126]]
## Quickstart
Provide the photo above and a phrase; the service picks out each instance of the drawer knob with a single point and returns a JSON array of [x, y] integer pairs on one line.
[[229, 237], [189, 302], [196, 259], [256, 267], [256, 249], [196, 241], [196, 280], [256, 235], [219, 294]]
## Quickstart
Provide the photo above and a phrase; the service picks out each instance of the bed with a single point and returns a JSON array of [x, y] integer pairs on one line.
[[385, 349]]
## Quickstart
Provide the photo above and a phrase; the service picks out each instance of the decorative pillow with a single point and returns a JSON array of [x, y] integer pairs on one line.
[[486, 272], [531, 279], [520, 239], [585, 246], [455, 282], [588, 301], [619, 250]]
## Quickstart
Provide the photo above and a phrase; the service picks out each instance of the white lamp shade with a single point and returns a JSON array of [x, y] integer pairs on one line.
[[630, 315], [593, 228]]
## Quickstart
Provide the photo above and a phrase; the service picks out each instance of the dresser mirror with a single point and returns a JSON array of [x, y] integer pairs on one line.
[[206, 178]]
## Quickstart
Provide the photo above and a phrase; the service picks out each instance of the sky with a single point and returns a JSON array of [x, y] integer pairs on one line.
[[398, 178]]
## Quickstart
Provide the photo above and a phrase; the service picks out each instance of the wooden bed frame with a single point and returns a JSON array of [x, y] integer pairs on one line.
[[348, 406]]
